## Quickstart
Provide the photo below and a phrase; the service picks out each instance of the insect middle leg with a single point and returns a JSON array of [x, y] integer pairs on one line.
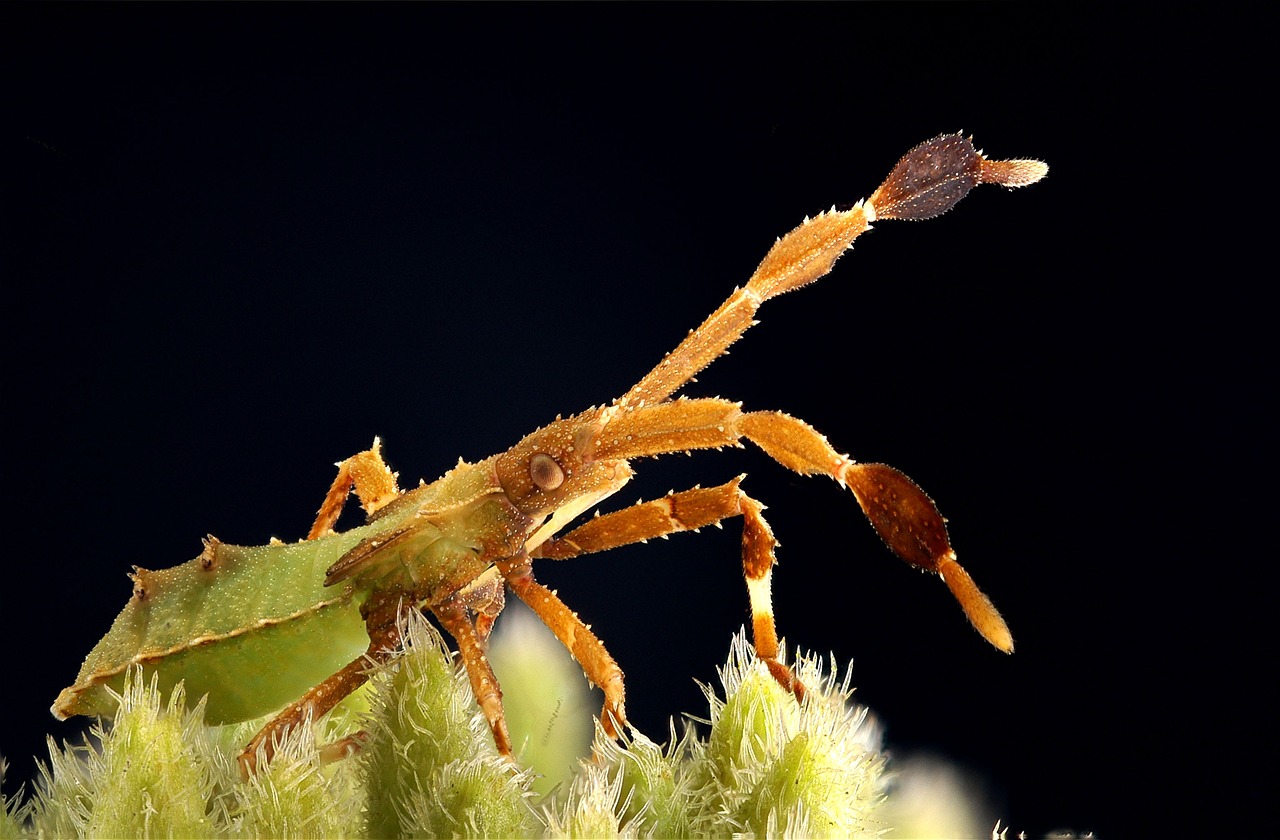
[[689, 511]]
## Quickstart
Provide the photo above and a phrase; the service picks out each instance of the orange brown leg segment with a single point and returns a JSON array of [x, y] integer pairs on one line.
[[673, 513], [686, 511], [906, 518], [758, 557], [484, 684], [370, 477], [926, 182], [601, 668], [384, 641]]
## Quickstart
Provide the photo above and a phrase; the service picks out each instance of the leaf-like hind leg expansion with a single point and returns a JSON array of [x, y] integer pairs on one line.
[[689, 511], [601, 668], [906, 518], [373, 481], [929, 180], [384, 642]]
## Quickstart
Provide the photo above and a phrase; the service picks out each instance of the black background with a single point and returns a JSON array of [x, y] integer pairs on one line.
[[241, 241]]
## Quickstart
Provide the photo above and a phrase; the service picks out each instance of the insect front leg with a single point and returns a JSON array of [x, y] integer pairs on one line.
[[454, 617], [601, 668], [688, 511], [928, 180], [373, 481]]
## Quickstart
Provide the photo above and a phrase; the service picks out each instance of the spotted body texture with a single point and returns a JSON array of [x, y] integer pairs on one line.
[[235, 623], [256, 627], [301, 624]]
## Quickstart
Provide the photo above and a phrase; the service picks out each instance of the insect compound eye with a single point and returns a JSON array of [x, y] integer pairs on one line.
[[545, 472]]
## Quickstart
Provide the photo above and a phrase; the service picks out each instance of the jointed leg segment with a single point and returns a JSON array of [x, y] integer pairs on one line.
[[686, 511], [590, 653], [384, 635], [371, 479], [928, 181], [646, 421], [906, 518], [484, 685]]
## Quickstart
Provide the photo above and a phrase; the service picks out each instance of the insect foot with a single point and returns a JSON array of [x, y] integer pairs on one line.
[[297, 625]]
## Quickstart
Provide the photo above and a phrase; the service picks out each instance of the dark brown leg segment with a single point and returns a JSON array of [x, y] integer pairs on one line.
[[901, 513]]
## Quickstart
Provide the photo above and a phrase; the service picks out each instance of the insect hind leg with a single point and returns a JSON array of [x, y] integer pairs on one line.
[[369, 476]]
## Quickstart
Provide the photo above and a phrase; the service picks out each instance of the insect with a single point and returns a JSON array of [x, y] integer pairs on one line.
[[256, 628]]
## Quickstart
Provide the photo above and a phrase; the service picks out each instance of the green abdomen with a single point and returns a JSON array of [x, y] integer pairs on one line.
[[253, 628]]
